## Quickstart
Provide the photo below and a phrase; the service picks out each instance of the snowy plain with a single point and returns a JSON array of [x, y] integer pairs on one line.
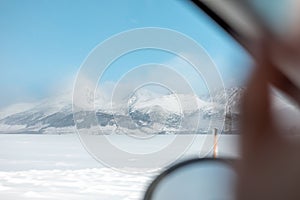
[[58, 167]]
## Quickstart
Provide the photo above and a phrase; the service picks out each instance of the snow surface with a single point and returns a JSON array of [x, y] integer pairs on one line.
[[57, 167], [93, 183]]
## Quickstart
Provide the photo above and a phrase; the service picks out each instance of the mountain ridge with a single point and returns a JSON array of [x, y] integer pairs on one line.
[[167, 113]]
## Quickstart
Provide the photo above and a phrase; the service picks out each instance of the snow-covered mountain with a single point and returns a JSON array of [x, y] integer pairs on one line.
[[38, 116], [145, 112]]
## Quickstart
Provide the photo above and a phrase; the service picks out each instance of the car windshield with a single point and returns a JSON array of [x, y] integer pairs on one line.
[[97, 97]]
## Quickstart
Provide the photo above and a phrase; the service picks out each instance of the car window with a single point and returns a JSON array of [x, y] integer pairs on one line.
[[97, 97]]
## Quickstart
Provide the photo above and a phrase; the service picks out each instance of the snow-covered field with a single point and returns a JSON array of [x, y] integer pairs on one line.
[[58, 167]]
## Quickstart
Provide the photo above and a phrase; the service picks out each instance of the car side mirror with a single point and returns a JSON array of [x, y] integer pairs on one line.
[[206, 178]]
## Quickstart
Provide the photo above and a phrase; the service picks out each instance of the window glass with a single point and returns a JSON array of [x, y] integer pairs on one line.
[[150, 103]]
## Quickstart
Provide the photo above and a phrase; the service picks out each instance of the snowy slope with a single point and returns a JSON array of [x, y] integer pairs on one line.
[[174, 103], [15, 108], [52, 112]]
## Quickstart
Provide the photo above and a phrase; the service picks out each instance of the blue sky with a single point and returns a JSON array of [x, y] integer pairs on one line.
[[44, 42]]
